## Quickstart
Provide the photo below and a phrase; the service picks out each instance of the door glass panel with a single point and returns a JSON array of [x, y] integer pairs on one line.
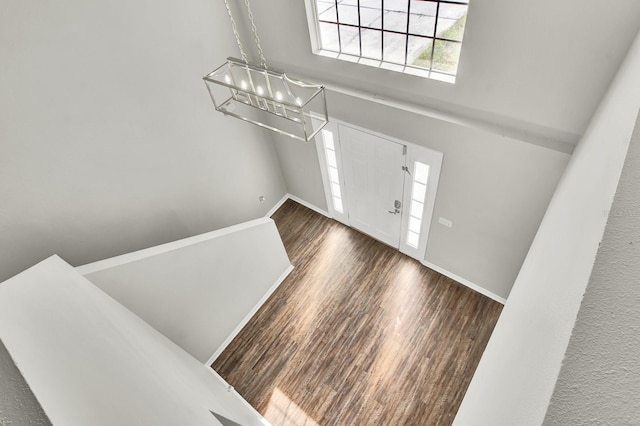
[[414, 224], [421, 172], [335, 190], [416, 208], [413, 239], [418, 193], [419, 190], [337, 204], [332, 169], [331, 158], [333, 174]]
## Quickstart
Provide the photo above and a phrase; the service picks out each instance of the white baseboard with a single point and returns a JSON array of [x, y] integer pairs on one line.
[[465, 282], [309, 205], [231, 389], [251, 313], [299, 201], [277, 206]]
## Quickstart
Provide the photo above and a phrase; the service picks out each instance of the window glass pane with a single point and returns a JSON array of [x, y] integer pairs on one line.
[[326, 10], [422, 17], [396, 5], [393, 48], [419, 190], [421, 172], [337, 204], [452, 11], [445, 56], [419, 51], [416, 208], [350, 40], [395, 21], [371, 44], [333, 175], [371, 13], [329, 37], [407, 40], [327, 136], [451, 20], [414, 225], [395, 15], [347, 14], [413, 239], [335, 190], [422, 7], [331, 158]]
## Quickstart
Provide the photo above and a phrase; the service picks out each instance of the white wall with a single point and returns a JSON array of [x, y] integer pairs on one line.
[[516, 376], [199, 291], [599, 379], [108, 139], [536, 68], [301, 170], [90, 361], [523, 84], [494, 189], [18, 405]]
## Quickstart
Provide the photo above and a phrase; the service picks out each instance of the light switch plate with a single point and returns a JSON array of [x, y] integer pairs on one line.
[[445, 222]]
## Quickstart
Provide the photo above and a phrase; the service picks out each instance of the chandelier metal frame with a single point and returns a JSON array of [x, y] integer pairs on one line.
[[264, 97]]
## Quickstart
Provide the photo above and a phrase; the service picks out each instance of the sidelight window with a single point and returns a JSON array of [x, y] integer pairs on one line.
[[418, 195], [332, 169]]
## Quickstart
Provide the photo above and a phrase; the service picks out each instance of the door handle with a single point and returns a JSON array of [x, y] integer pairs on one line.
[[396, 211]]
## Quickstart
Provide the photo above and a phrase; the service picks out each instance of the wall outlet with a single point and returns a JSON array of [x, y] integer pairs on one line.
[[445, 222], [262, 198]]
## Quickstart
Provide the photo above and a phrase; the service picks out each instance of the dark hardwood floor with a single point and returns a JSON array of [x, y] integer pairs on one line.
[[358, 334]]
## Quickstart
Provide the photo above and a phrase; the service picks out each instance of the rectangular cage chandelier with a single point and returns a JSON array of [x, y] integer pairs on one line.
[[265, 97], [268, 99]]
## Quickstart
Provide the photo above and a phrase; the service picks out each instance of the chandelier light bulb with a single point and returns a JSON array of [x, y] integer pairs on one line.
[[260, 90], [278, 96], [299, 101], [227, 79], [243, 84]]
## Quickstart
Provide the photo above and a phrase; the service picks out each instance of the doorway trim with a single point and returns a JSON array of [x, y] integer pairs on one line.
[[414, 153]]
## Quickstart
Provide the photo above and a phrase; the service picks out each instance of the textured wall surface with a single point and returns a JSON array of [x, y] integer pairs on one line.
[[599, 382], [18, 405], [516, 376]]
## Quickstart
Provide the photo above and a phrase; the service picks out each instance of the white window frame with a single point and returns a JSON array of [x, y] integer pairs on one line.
[[316, 48], [332, 127], [433, 159]]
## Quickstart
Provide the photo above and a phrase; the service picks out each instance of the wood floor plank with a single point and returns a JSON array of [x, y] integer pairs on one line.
[[358, 334]]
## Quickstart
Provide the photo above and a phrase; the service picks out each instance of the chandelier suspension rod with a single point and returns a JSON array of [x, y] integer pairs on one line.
[[266, 98], [235, 32], [255, 35]]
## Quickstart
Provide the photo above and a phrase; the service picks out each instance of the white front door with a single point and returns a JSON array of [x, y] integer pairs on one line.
[[374, 183]]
